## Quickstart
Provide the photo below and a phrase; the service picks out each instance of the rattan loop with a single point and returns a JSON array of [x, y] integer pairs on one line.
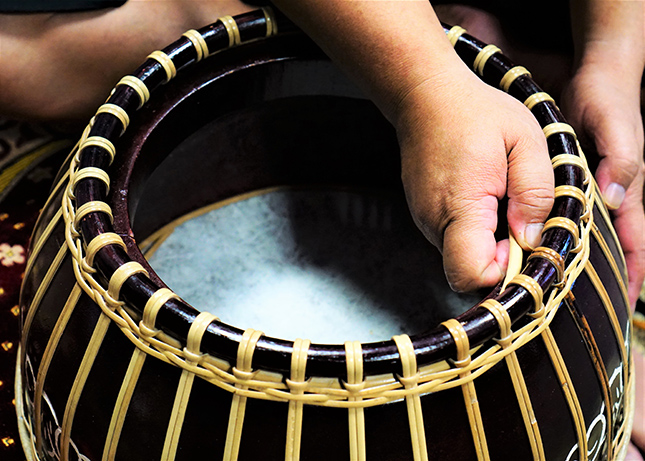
[[269, 18], [200, 45], [91, 172], [483, 56], [299, 359], [121, 274], [354, 359], [552, 257], [116, 111], [164, 60], [101, 142], [92, 207], [566, 224], [138, 86], [406, 353], [454, 33], [570, 159], [503, 320], [232, 30], [198, 327], [152, 307], [532, 287], [101, 241], [573, 192], [558, 127], [462, 343], [537, 98], [510, 76], [245, 350]]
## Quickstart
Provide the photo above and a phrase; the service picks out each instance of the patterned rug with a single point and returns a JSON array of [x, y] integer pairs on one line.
[[30, 156]]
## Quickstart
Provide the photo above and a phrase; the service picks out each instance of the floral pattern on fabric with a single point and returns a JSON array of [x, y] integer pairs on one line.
[[10, 255]]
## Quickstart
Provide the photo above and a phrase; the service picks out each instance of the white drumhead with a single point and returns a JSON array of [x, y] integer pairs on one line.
[[325, 264]]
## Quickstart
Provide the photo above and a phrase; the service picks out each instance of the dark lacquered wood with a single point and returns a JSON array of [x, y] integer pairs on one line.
[[205, 93], [434, 345]]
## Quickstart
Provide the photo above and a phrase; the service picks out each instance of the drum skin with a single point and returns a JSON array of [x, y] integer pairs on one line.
[[114, 380]]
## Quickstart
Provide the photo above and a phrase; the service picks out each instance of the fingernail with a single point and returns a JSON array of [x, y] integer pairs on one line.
[[533, 234], [614, 196]]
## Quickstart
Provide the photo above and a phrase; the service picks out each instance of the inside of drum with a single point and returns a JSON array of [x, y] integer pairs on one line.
[[295, 224]]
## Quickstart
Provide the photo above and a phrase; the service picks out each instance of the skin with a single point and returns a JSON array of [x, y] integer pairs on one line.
[[42, 56], [454, 205], [602, 100], [456, 163]]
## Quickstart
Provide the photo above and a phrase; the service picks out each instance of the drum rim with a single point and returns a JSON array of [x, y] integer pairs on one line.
[[480, 323]]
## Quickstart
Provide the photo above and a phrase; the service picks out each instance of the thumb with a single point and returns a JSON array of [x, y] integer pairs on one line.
[[620, 147], [530, 187], [472, 258]]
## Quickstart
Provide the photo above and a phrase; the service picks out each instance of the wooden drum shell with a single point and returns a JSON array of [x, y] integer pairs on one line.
[[75, 359]]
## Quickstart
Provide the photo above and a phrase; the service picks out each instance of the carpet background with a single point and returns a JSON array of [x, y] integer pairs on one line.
[[30, 156]]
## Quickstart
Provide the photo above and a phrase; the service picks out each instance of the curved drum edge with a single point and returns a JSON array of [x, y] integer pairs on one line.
[[355, 396]]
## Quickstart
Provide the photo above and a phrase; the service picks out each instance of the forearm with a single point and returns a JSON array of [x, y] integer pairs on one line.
[[610, 35], [388, 47]]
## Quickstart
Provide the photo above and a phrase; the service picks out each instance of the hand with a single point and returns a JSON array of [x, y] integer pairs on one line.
[[605, 111], [61, 67], [464, 147]]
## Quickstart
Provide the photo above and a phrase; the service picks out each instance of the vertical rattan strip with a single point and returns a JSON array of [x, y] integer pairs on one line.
[[611, 312], [147, 330], [37, 246], [243, 372], [354, 384], [48, 354], [40, 292], [410, 380], [611, 260], [193, 356], [569, 391], [517, 377], [84, 369], [468, 388], [122, 402], [607, 219], [599, 367], [297, 385]]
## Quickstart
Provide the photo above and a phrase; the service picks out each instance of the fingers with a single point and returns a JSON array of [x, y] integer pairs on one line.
[[456, 167], [472, 258], [629, 221], [608, 114], [530, 186], [620, 144]]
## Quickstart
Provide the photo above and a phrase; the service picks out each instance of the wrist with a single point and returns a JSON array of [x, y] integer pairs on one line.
[[431, 93]]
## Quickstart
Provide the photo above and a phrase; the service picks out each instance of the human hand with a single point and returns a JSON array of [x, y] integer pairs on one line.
[[465, 146], [60, 67], [605, 111]]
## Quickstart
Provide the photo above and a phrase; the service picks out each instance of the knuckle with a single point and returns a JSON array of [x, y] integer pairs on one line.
[[460, 283], [627, 163], [538, 198]]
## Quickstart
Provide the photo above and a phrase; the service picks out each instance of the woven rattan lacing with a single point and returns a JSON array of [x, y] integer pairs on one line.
[[140, 327]]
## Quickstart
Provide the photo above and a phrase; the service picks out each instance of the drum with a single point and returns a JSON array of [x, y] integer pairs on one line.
[[210, 219]]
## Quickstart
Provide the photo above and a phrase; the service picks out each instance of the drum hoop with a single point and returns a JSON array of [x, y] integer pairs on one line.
[[432, 349]]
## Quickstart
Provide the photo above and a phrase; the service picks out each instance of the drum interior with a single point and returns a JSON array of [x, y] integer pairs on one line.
[[286, 213]]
